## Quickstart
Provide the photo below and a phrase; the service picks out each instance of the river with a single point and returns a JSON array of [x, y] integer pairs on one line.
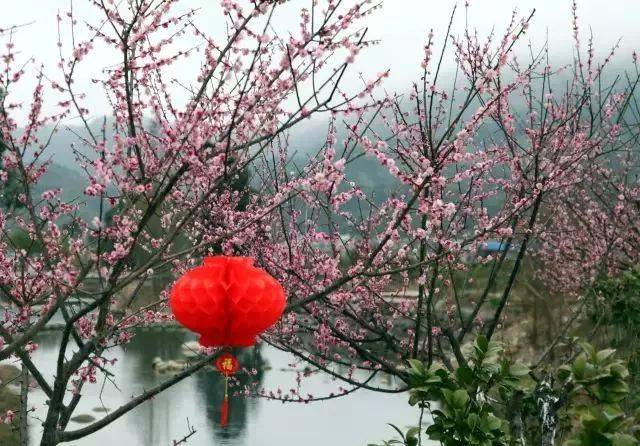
[[354, 420]]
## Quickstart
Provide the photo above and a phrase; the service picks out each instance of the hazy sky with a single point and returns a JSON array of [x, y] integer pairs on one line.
[[401, 25]]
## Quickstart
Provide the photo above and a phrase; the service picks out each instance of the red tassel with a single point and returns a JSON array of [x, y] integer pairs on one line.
[[227, 364], [224, 411]]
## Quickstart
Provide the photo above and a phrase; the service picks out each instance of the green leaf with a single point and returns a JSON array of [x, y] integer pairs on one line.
[[589, 350], [412, 436], [435, 432], [564, 372], [433, 379], [579, 366], [619, 370], [414, 398], [610, 412], [622, 440], [603, 355], [482, 343], [416, 367], [413, 432], [518, 369], [465, 375], [473, 420], [459, 399], [493, 422]]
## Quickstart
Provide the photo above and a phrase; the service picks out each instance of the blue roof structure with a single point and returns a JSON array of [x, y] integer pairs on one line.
[[494, 246]]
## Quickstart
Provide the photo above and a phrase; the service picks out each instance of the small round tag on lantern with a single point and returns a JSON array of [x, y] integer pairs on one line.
[[227, 364]]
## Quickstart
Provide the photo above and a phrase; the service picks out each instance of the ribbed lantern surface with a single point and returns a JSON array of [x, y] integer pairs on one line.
[[228, 301]]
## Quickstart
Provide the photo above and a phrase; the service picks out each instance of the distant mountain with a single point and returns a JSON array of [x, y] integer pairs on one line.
[[305, 139], [72, 182]]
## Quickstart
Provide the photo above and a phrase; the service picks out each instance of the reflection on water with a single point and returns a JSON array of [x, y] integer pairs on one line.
[[354, 420]]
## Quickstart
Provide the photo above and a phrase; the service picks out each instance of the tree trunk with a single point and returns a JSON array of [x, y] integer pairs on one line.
[[49, 438], [24, 408], [514, 414], [548, 403]]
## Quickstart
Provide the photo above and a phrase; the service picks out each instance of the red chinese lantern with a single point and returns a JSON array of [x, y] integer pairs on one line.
[[229, 302]]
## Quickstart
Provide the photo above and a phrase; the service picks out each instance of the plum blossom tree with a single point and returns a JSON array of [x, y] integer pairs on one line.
[[250, 87], [541, 159], [500, 152]]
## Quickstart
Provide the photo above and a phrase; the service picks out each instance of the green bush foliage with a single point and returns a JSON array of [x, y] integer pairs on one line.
[[492, 401]]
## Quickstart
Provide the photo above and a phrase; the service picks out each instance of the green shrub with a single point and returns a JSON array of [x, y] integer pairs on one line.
[[495, 402]]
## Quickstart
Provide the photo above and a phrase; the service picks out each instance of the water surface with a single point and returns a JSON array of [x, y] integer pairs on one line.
[[354, 420]]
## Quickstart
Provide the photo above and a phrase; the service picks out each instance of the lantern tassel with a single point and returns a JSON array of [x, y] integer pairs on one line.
[[224, 411]]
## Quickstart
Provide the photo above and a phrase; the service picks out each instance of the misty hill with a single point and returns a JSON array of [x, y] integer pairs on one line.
[[304, 139], [72, 182]]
